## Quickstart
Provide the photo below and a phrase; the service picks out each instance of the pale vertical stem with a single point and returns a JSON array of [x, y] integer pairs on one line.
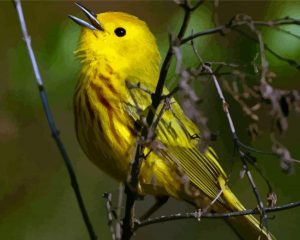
[[119, 212], [52, 125]]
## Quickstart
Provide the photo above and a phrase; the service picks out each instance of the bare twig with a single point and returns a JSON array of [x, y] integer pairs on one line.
[[131, 193], [288, 32], [167, 61], [131, 188], [108, 198], [52, 125], [205, 210], [224, 103], [277, 22], [275, 54], [119, 212], [261, 208], [195, 215], [203, 33], [234, 26], [237, 146], [196, 50], [222, 28]]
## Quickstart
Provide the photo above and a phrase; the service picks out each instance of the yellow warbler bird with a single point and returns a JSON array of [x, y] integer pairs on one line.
[[117, 49]]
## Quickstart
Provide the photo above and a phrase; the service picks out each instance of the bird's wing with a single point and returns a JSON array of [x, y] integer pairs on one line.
[[175, 132]]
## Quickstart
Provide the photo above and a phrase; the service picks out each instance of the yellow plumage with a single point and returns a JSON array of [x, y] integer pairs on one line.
[[107, 118]]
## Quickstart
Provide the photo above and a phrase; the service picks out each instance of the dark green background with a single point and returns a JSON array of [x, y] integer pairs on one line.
[[36, 199]]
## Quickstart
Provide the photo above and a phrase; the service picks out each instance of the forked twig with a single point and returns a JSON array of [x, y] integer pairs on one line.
[[109, 213]]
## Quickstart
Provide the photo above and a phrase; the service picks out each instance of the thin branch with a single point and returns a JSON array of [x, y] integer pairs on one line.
[[237, 147], [222, 28], [275, 54], [277, 22], [151, 131], [196, 50], [224, 103], [108, 198], [205, 210], [195, 215], [203, 33], [131, 192], [52, 125], [131, 188], [287, 32], [263, 213], [167, 61], [233, 25], [119, 212]]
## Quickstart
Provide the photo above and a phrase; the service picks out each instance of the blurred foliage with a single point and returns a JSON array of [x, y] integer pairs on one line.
[[36, 199]]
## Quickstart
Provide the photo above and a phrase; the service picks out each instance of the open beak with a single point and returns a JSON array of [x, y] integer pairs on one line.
[[94, 23]]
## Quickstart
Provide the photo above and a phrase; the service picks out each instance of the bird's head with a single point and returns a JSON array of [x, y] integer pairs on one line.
[[116, 37]]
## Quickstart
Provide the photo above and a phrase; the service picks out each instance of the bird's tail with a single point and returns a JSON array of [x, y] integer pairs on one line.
[[247, 226]]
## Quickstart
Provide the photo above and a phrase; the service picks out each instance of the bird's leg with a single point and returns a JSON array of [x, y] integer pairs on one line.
[[160, 201]]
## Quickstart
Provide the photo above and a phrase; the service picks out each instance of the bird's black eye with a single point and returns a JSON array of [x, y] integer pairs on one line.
[[120, 32]]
